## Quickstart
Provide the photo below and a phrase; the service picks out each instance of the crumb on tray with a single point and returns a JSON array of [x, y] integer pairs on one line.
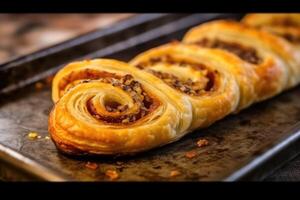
[[174, 173], [33, 135], [91, 165], [39, 85], [202, 143], [190, 154], [112, 174]]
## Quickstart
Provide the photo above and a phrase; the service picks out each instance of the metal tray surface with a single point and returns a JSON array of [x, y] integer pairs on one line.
[[249, 145]]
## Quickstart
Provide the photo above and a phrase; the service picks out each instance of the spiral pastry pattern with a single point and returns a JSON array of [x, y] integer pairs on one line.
[[105, 107], [272, 58], [287, 27], [108, 107], [196, 73]]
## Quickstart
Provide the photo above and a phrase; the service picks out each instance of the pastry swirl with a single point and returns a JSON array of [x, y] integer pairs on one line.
[[190, 71], [271, 57], [108, 107], [112, 110], [273, 20], [285, 26]]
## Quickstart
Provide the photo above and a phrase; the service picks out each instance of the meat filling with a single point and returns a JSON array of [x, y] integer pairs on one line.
[[291, 38], [188, 86], [140, 97], [247, 54], [127, 83], [86, 74], [287, 22]]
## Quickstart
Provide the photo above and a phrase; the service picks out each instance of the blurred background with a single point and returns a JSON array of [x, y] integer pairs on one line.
[[21, 34]]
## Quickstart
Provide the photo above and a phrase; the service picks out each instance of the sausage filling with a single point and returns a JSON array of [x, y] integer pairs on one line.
[[291, 38], [287, 22], [188, 86], [247, 54], [145, 103]]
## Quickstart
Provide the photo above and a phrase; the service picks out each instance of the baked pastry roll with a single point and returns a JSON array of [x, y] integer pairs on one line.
[[284, 25], [108, 107], [196, 73], [273, 20], [271, 57]]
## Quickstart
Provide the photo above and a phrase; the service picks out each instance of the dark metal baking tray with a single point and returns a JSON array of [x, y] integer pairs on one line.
[[246, 146]]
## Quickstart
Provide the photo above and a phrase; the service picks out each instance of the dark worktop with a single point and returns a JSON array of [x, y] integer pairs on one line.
[[22, 34]]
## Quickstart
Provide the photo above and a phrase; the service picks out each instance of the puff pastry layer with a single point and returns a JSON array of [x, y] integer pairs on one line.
[[285, 26], [112, 110], [272, 58], [196, 73], [108, 107]]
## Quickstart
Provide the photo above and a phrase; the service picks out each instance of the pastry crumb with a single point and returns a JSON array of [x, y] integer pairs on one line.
[[174, 173], [47, 138], [202, 143], [190, 154], [39, 86], [33, 135], [91, 165], [112, 174]]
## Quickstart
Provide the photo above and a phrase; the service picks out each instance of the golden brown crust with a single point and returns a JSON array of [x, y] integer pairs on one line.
[[187, 63], [118, 112], [285, 26], [288, 20], [108, 107], [275, 68]]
